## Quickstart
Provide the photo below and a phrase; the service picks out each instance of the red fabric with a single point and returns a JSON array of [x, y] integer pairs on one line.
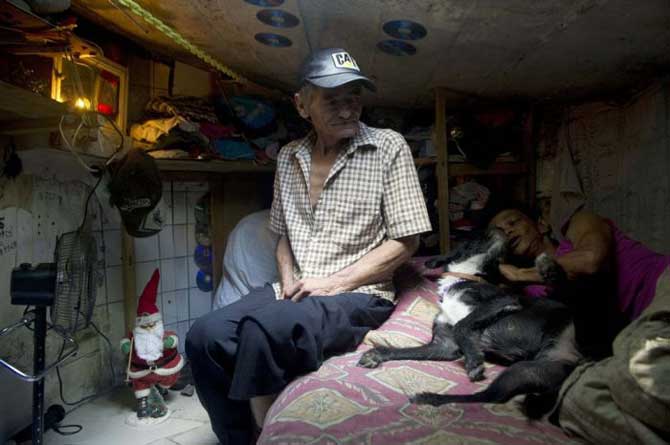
[[217, 131], [149, 380], [147, 303]]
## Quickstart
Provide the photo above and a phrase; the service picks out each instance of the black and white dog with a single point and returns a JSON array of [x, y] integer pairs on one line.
[[535, 336]]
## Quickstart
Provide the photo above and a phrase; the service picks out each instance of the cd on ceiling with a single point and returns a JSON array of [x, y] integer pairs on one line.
[[397, 48], [277, 18], [405, 30], [275, 40]]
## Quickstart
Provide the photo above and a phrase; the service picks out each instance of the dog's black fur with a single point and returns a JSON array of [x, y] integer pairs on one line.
[[534, 336]]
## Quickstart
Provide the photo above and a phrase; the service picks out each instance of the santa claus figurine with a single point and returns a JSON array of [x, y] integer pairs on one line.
[[155, 360]]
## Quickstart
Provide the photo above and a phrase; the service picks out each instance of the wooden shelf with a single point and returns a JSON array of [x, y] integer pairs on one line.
[[498, 168], [425, 161], [20, 103], [213, 166], [63, 159], [467, 169], [524, 171]]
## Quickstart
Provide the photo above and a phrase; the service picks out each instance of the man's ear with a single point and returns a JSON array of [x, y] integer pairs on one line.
[[300, 106]]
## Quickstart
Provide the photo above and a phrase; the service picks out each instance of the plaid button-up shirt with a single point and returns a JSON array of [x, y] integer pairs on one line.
[[371, 194]]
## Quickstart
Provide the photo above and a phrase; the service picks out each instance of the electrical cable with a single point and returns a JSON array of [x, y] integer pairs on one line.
[[78, 428], [88, 199], [109, 344], [94, 395], [58, 429], [62, 429], [70, 147], [97, 47]]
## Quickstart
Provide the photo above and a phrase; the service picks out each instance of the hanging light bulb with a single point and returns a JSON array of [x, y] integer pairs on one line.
[[82, 103]]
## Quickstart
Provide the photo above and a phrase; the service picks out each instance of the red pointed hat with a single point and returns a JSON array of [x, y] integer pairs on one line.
[[147, 311]]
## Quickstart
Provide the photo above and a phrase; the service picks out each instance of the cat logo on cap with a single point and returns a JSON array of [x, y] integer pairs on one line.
[[344, 60]]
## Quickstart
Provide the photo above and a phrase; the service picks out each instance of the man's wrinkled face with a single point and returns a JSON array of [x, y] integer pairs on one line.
[[521, 232], [334, 112]]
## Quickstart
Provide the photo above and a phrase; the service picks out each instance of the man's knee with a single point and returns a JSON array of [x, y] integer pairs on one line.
[[206, 332], [196, 339]]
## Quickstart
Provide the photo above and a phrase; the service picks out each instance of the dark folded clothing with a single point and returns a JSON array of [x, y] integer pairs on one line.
[[195, 109]]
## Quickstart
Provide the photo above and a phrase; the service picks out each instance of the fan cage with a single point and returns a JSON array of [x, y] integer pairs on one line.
[[75, 284]]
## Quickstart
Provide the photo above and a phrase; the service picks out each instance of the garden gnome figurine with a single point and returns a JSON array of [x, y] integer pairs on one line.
[[154, 360]]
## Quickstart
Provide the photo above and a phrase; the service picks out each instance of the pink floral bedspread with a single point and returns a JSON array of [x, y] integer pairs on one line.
[[342, 403]]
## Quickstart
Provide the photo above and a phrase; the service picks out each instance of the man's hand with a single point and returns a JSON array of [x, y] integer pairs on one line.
[[516, 274], [287, 286], [313, 286]]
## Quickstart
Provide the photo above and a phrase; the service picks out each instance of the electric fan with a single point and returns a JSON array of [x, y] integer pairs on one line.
[[68, 287]]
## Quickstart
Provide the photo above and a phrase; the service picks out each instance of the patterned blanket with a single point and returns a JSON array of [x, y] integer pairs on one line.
[[342, 403]]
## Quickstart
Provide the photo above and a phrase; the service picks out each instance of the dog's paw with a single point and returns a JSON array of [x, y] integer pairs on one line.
[[371, 359], [550, 271], [476, 373]]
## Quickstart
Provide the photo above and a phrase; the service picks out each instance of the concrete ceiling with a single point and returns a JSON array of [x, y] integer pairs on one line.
[[492, 48]]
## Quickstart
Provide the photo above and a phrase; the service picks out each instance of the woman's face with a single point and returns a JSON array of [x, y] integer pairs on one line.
[[522, 233]]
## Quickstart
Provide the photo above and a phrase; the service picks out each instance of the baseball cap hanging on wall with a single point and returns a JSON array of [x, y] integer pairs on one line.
[[136, 191]]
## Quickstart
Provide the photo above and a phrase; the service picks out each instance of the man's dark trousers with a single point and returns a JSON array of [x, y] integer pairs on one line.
[[258, 344]]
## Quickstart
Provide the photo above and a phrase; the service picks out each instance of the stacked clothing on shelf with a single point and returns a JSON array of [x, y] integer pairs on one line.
[[420, 141], [195, 109], [429, 241], [242, 127], [468, 211], [483, 137]]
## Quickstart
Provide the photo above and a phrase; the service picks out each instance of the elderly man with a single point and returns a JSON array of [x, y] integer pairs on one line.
[[348, 210]]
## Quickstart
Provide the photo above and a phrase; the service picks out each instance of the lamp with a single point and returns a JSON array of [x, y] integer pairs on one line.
[[82, 103]]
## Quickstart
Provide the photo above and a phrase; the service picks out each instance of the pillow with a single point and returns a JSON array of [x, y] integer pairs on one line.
[[411, 322]]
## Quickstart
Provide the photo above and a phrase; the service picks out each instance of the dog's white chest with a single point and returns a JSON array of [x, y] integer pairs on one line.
[[453, 309]]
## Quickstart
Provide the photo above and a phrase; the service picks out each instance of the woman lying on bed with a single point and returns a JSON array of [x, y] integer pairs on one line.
[[611, 277]]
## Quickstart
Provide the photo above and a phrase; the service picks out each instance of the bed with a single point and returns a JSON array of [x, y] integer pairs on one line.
[[342, 403]]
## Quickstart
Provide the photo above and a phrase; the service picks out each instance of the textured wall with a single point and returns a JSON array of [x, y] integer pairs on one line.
[[173, 251], [622, 155], [34, 210]]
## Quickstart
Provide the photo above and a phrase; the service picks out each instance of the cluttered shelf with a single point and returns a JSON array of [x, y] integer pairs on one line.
[[58, 158], [468, 169], [22, 110], [498, 168], [213, 166], [55, 156], [225, 166]]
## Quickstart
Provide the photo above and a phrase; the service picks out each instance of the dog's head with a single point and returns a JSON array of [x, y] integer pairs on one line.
[[480, 256]]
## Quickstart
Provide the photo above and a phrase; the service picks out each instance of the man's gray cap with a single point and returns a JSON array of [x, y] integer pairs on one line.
[[331, 68]]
